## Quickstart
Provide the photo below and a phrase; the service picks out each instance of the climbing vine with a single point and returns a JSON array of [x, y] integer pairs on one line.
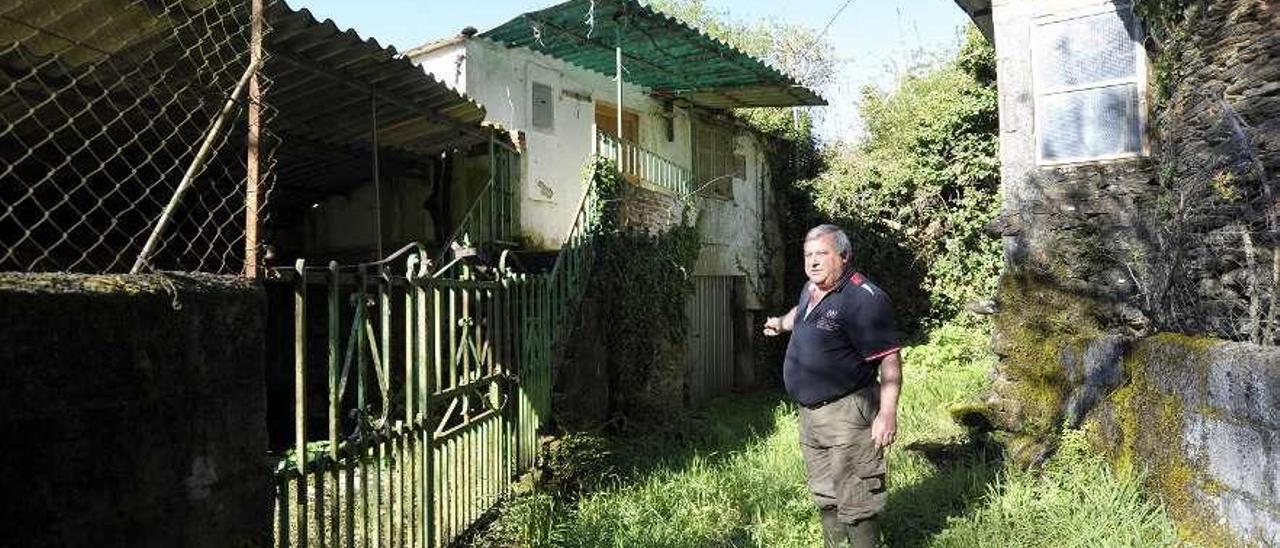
[[640, 281], [1165, 24]]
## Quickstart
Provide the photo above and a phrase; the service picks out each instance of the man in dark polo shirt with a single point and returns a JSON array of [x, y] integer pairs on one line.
[[843, 369]]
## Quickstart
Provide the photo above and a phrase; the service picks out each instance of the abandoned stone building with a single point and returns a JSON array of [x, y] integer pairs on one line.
[[1139, 149]]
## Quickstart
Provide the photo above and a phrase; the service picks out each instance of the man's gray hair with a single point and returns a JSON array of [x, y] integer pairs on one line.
[[843, 247]]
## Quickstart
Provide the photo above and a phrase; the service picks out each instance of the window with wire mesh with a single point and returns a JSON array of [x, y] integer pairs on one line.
[[1088, 78], [104, 108]]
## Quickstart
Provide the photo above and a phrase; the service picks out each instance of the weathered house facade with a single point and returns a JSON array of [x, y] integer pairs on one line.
[[238, 299], [1139, 143], [549, 76]]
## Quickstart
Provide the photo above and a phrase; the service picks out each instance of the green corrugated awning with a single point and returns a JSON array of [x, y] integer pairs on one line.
[[659, 52]]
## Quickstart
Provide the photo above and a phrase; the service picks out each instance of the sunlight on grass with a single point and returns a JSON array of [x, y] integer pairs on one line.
[[742, 484]]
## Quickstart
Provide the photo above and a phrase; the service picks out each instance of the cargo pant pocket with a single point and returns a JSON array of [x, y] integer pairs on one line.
[[863, 492]]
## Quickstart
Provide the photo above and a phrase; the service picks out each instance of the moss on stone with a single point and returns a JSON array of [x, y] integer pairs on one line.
[[1146, 443], [1036, 322], [975, 416]]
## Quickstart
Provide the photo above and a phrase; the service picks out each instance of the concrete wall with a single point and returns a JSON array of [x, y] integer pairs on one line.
[[133, 411], [1222, 401], [734, 230]]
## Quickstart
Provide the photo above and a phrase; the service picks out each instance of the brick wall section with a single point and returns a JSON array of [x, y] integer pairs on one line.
[[653, 210], [133, 411]]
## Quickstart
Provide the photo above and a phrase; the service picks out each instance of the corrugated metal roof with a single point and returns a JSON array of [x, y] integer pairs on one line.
[[323, 77], [324, 83], [659, 52]]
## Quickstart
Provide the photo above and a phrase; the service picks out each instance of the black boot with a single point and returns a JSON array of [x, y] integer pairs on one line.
[[864, 533], [833, 532]]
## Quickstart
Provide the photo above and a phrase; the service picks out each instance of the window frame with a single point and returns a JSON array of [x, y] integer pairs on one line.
[[721, 161], [1139, 80]]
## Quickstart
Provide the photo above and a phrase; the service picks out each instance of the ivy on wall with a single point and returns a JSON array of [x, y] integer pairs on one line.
[[640, 281]]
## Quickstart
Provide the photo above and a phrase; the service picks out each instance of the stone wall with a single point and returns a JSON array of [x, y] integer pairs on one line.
[[1181, 240], [133, 411], [1220, 399], [1105, 259], [653, 210]]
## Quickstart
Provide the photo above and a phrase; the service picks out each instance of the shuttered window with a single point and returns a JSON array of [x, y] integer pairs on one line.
[[1089, 79], [713, 160]]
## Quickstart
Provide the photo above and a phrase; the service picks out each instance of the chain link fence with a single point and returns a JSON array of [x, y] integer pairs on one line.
[[107, 110]]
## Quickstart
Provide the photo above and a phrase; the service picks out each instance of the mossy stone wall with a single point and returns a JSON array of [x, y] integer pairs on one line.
[[1105, 259], [1200, 419], [133, 411]]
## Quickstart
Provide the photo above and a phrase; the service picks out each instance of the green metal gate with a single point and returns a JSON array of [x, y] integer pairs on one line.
[[432, 392]]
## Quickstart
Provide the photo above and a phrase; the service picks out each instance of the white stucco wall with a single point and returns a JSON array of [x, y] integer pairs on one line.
[[448, 64], [501, 79], [733, 237]]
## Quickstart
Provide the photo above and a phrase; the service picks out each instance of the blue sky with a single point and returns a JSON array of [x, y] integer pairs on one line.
[[875, 39]]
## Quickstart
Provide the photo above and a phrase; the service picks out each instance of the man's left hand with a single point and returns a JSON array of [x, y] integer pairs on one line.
[[883, 429]]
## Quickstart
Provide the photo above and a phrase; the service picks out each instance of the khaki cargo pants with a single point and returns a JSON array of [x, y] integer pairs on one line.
[[844, 469]]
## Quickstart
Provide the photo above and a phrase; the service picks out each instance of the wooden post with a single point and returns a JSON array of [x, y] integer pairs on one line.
[[300, 394], [253, 176]]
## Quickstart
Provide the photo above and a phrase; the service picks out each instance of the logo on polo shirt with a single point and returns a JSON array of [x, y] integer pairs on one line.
[[830, 320]]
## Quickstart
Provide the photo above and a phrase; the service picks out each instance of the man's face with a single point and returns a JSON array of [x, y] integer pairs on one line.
[[822, 263]]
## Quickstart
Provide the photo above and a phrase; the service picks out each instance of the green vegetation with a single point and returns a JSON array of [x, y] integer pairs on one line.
[[645, 298], [1076, 500], [736, 478], [918, 192]]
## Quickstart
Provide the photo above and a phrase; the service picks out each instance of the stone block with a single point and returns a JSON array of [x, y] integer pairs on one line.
[[1236, 456], [1247, 518], [1173, 368], [1273, 468], [1244, 382]]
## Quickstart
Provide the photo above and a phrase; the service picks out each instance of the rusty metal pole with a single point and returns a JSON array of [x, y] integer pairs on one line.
[[253, 175]]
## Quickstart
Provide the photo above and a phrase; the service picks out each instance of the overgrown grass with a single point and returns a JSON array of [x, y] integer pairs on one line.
[[740, 482]]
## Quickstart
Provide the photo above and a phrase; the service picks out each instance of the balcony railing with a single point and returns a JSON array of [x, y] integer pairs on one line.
[[642, 166]]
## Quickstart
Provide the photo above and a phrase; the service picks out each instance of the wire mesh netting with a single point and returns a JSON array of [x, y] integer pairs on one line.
[[105, 107]]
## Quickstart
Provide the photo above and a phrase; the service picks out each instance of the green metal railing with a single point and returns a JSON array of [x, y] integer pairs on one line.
[[640, 165], [432, 395], [493, 216]]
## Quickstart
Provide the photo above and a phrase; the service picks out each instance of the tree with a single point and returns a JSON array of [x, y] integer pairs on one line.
[[926, 179], [796, 50]]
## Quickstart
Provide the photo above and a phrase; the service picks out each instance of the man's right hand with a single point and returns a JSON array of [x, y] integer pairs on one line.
[[773, 326]]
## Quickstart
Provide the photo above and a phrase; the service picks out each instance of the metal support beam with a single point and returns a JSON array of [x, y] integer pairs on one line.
[[197, 164], [617, 71]]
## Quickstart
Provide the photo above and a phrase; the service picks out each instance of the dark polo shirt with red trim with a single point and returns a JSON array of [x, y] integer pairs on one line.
[[836, 347]]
